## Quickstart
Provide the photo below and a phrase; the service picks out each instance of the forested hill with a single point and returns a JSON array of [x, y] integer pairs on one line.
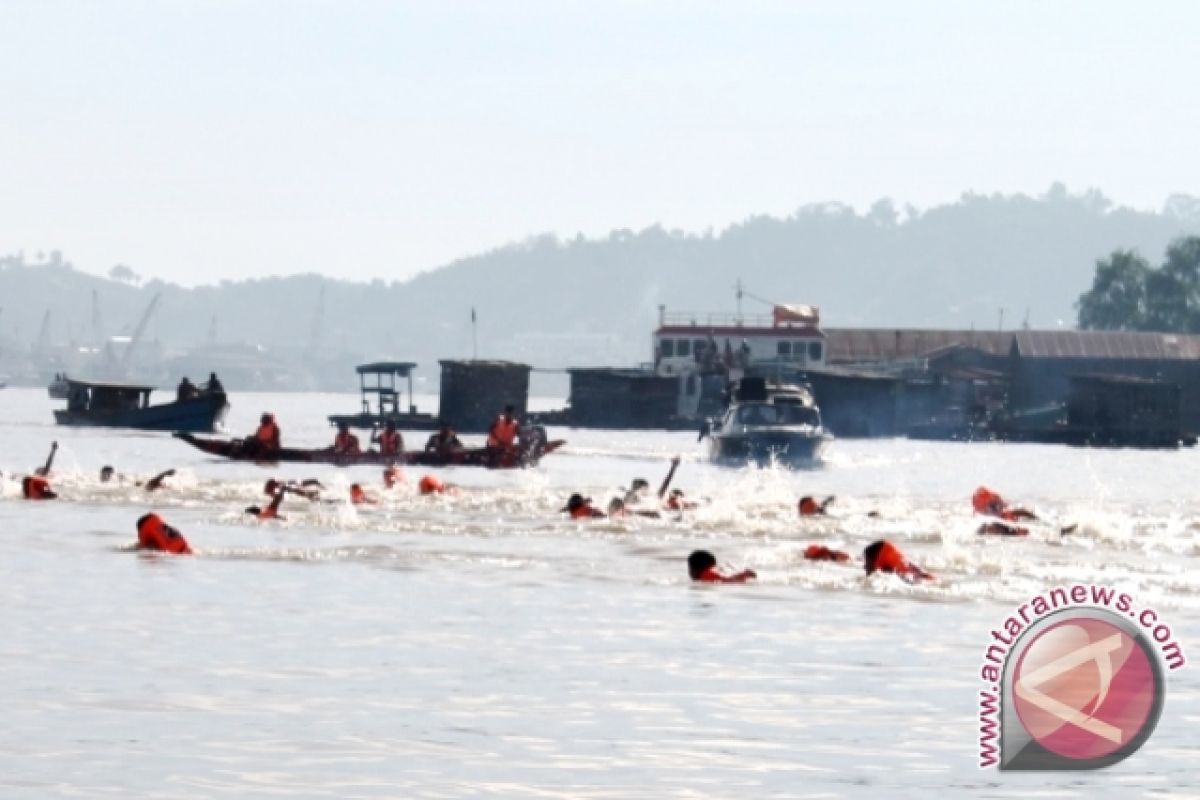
[[579, 300]]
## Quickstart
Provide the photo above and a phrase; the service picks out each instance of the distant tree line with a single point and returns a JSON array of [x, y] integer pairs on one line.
[[1128, 294]]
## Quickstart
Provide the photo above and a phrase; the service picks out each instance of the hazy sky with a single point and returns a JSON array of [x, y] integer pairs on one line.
[[196, 141]]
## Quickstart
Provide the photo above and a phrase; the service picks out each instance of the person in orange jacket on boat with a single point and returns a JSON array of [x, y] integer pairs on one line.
[[345, 443], [883, 556], [268, 438], [154, 534], [503, 433], [990, 504], [391, 443], [702, 568]]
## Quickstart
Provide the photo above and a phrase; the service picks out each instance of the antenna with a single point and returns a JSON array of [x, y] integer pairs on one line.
[[97, 323], [1025, 324], [739, 301], [212, 330], [1000, 327]]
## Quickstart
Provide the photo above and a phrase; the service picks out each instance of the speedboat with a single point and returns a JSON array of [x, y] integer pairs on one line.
[[768, 424]]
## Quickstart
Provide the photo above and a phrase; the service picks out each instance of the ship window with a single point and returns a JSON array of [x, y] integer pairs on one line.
[[784, 349], [668, 347], [814, 351], [683, 347]]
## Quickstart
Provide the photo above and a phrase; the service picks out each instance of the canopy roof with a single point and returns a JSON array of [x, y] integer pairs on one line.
[[384, 367], [110, 386]]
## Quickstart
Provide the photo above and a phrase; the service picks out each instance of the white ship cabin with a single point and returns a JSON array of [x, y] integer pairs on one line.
[[713, 349], [788, 337]]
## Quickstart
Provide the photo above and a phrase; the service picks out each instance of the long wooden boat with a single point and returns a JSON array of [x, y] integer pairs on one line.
[[116, 405], [245, 450]]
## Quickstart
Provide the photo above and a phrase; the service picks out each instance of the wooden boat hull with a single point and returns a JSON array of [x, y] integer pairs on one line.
[[241, 450], [405, 422], [199, 414]]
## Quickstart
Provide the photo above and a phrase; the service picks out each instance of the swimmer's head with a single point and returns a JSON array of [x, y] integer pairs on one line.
[[271, 486], [616, 505], [106, 473], [639, 485], [575, 502], [700, 562]]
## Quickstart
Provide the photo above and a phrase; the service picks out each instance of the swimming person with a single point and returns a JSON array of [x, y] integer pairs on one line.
[[998, 528], [819, 552], [883, 556], [391, 476], [702, 567], [35, 487], [271, 511], [809, 507], [154, 534], [359, 496], [580, 507], [990, 504]]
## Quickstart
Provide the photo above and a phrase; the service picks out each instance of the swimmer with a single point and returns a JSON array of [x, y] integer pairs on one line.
[[271, 511], [580, 507], [154, 534], [809, 507], [430, 484], [640, 487], [819, 552], [677, 502], [358, 496], [990, 504], [702, 567], [1001, 529], [883, 556], [392, 476], [617, 508], [309, 488], [35, 487], [157, 481]]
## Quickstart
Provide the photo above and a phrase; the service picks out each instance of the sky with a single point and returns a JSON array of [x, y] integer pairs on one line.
[[202, 141]]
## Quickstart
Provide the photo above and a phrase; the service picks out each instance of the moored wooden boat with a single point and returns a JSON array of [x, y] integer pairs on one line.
[[115, 405]]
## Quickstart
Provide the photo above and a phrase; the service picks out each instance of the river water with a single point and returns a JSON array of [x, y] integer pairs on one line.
[[481, 645]]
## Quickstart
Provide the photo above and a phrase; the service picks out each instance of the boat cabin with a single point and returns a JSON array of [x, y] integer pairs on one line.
[[706, 350], [378, 380], [90, 396]]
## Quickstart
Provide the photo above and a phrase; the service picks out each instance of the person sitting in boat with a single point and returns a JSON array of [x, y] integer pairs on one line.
[[809, 507], [359, 496], [444, 442], [391, 443], [990, 504], [213, 386], [35, 487], [883, 556], [392, 476], [580, 507], [268, 438], [271, 511], [186, 391], [702, 567], [345, 443], [154, 534], [502, 436]]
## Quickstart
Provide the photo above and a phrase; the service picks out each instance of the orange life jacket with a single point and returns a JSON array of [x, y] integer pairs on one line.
[[711, 575], [37, 488], [819, 552], [585, 511], [390, 443], [889, 559], [431, 485], [267, 434], [358, 496], [809, 507], [503, 433], [985, 501], [345, 443], [270, 512], [154, 534]]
